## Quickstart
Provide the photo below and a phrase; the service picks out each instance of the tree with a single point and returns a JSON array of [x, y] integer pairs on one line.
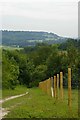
[[53, 63], [40, 55], [38, 75], [10, 71], [72, 62]]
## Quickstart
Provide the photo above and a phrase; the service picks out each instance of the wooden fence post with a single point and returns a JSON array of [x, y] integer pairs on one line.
[[57, 86], [39, 85], [42, 86], [69, 88], [45, 86], [54, 86], [49, 86], [61, 85]]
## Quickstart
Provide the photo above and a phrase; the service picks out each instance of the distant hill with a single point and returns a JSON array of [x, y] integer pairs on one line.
[[29, 38]]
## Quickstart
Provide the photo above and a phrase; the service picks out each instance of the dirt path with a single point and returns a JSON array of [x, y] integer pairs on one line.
[[12, 97], [4, 111]]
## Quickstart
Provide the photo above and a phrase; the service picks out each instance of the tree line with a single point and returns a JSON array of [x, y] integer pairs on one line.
[[31, 65]]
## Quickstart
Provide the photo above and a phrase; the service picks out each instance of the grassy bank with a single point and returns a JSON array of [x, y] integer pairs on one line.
[[18, 90], [38, 104]]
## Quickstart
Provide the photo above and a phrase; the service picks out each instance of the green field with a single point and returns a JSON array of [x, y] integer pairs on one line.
[[11, 48], [18, 90], [38, 104]]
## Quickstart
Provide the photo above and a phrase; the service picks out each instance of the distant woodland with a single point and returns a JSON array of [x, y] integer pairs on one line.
[[29, 38]]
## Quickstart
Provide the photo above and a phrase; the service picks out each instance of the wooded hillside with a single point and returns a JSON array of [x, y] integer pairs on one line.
[[31, 65], [29, 38]]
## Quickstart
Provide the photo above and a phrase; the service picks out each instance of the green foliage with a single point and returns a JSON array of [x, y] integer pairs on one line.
[[39, 56], [53, 63], [31, 65], [73, 59], [38, 75], [19, 89], [10, 71]]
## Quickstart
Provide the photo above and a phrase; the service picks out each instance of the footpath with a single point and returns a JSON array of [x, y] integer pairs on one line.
[[4, 111]]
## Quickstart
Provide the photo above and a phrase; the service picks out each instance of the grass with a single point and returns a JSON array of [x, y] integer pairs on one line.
[[38, 104], [18, 90], [11, 48]]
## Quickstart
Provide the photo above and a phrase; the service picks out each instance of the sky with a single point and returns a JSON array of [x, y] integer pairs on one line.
[[57, 16]]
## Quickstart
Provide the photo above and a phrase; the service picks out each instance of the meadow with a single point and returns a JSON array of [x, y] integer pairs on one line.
[[37, 104], [11, 48]]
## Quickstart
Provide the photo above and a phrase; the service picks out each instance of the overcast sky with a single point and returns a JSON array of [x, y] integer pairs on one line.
[[57, 16]]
